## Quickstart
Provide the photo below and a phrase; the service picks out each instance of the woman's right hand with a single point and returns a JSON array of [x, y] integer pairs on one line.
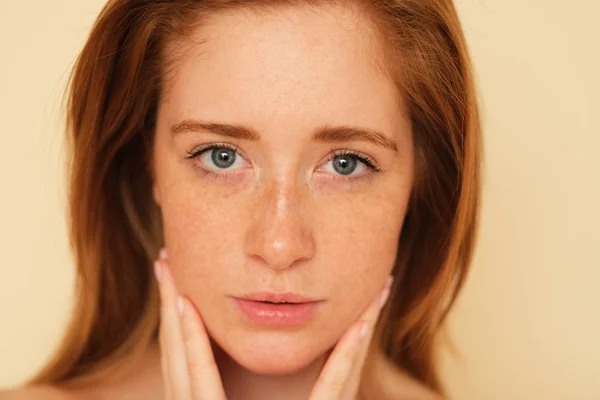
[[189, 368]]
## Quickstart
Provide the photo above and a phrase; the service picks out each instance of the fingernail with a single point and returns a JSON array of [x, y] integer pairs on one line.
[[162, 254], [157, 271], [386, 291], [180, 306], [363, 330], [384, 296]]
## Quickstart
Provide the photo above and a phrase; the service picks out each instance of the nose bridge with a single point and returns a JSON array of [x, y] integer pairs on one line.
[[279, 233]]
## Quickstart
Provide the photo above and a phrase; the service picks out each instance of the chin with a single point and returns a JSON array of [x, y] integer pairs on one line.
[[275, 353]]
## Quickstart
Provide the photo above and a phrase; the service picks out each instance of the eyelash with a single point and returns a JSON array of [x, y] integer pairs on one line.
[[366, 160]]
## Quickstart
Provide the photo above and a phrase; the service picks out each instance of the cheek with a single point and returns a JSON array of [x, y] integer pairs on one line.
[[200, 232], [356, 236], [360, 246], [363, 232], [356, 243]]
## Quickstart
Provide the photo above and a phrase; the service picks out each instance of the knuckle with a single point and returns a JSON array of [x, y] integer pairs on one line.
[[195, 367], [336, 389]]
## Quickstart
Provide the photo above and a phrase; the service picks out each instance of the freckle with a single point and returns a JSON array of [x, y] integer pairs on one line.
[[351, 230]]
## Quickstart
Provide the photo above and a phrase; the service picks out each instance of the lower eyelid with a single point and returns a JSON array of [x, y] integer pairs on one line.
[[218, 176], [347, 178]]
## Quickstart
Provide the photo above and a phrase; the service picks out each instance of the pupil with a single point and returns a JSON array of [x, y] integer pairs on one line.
[[223, 158], [346, 165]]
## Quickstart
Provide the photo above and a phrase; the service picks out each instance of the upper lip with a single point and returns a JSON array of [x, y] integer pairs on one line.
[[277, 297]]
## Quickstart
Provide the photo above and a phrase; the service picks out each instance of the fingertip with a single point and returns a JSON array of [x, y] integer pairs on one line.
[[384, 297], [180, 305], [162, 254], [362, 332], [157, 271], [384, 294], [187, 311], [166, 274], [389, 282]]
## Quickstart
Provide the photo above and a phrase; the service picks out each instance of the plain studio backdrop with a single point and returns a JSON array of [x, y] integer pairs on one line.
[[527, 325]]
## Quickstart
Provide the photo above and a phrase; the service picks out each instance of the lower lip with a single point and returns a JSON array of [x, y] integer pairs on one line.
[[278, 314]]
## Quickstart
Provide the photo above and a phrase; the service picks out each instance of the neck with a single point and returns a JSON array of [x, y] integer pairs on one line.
[[242, 384]]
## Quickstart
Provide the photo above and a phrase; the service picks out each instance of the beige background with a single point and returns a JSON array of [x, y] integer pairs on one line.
[[528, 323]]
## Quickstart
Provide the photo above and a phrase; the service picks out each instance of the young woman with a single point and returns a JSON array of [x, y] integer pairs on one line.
[[310, 170]]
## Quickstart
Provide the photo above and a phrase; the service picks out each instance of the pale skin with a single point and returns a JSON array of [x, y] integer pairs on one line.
[[277, 214], [284, 216], [191, 373]]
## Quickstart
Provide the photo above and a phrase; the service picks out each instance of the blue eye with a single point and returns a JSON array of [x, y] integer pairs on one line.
[[223, 156], [345, 162]]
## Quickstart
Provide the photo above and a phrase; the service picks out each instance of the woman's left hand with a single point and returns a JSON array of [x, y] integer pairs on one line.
[[189, 368]]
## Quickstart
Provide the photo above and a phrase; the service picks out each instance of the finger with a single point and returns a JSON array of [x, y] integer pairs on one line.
[[205, 380], [372, 315], [164, 367], [333, 382], [332, 379], [172, 347]]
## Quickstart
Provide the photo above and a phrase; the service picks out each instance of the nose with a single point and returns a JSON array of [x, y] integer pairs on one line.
[[278, 235]]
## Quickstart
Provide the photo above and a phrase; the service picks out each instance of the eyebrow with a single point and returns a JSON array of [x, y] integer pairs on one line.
[[323, 134]]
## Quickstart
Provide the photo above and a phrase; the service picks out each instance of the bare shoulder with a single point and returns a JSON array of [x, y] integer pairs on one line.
[[142, 380], [35, 393]]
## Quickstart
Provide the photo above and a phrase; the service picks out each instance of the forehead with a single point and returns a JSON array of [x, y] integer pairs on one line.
[[291, 67]]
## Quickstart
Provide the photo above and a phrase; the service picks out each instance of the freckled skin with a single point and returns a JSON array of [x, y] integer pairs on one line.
[[281, 222]]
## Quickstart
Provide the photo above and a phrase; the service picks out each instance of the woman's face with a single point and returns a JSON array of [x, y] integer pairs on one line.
[[276, 206]]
